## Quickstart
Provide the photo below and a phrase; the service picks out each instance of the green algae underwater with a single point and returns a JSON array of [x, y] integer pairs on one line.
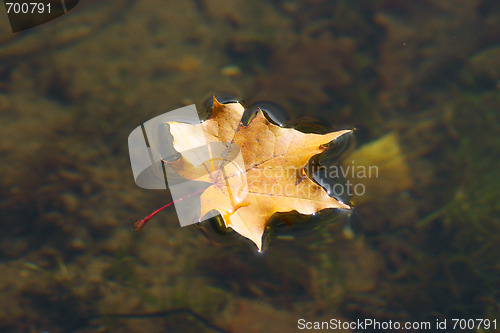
[[73, 89]]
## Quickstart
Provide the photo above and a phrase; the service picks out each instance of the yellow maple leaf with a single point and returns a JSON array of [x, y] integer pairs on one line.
[[271, 178]]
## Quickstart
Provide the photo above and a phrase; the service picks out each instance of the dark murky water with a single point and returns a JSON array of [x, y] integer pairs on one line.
[[419, 81]]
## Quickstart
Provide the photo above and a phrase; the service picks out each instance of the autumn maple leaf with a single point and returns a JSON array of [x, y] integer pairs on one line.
[[270, 177]]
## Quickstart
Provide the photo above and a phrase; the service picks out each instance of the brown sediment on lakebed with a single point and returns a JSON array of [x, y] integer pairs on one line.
[[427, 72]]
